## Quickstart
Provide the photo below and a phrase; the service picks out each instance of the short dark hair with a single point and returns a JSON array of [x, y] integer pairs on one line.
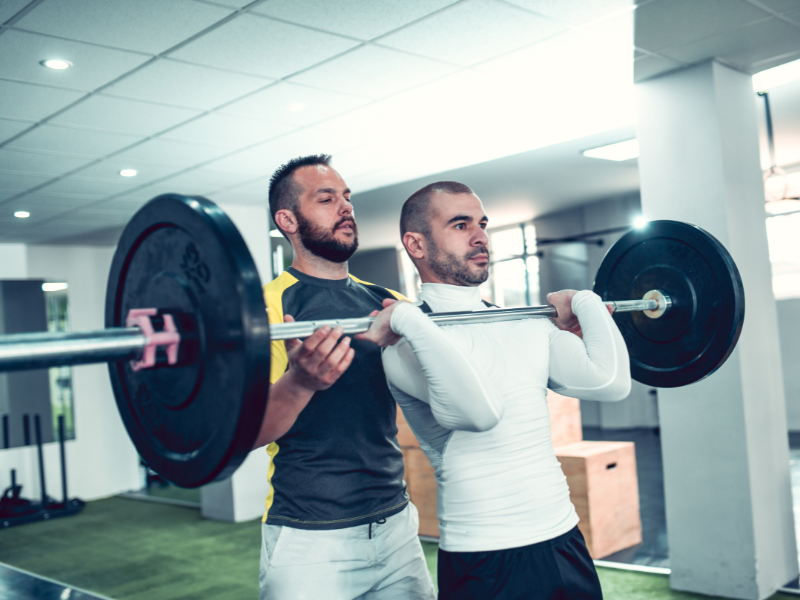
[[414, 216], [283, 191]]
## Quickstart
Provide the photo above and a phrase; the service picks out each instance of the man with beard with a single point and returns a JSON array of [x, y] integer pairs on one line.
[[507, 526], [338, 523]]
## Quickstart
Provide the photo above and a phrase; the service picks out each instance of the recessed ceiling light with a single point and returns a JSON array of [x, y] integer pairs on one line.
[[56, 63], [54, 287], [22, 214], [128, 172], [619, 151]]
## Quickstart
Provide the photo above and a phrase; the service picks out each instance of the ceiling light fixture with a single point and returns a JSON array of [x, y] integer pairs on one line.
[[22, 214], [56, 63], [276, 233], [54, 287], [128, 172], [620, 151]]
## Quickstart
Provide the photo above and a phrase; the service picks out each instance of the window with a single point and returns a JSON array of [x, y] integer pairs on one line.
[[514, 275], [783, 235]]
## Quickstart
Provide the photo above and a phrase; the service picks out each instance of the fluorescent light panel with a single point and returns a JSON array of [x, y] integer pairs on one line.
[[618, 152], [22, 214], [54, 287], [776, 76]]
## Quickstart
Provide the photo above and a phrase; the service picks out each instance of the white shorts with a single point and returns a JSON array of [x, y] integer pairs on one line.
[[369, 562]]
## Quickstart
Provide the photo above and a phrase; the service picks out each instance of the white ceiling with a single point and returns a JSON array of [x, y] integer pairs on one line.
[[209, 98]]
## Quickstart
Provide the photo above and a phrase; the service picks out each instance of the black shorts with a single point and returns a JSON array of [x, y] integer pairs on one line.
[[558, 569]]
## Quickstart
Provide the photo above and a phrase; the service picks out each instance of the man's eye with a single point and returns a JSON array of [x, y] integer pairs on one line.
[[460, 226]]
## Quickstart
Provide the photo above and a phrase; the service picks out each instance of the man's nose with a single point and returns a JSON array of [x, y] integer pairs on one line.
[[481, 239], [345, 207]]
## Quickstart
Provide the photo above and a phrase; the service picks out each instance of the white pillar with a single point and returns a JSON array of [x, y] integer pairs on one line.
[[724, 440]]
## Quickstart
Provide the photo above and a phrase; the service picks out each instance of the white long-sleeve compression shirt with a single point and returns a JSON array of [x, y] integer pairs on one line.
[[475, 397]]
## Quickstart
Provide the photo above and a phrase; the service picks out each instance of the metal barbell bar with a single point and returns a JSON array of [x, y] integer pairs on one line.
[[43, 350]]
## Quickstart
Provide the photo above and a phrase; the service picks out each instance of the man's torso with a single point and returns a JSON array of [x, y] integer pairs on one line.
[[340, 464]]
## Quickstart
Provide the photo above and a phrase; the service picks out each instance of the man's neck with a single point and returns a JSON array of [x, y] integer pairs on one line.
[[316, 266]]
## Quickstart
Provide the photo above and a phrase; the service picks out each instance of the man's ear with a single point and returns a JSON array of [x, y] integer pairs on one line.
[[416, 244], [286, 221]]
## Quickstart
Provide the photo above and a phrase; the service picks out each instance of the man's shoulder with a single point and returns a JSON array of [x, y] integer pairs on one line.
[[379, 288]]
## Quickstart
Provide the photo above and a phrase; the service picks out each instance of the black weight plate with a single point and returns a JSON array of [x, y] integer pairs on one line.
[[695, 270], [196, 421]]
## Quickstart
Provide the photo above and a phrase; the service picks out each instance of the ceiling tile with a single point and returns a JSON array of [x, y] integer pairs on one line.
[[89, 188], [204, 180], [780, 5], [168, 152], [296, 104], [182, 84], [9, 8], [793, 15], [373, 72], [744, 46], [261, 46], [127, 116], [240, 195], [92, 66], [362, 19], [19, 182], [10, 128], [35, 102], [226, 130], [55, 138], [255, 162], [108, 170], [669, 23], [122, 204], [54, 201], [576, 12], [40, 163], [100, 217], [150, 26], [473, 31]]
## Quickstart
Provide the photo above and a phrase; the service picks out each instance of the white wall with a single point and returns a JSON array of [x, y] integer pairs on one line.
[[101, 461], [789, 329]]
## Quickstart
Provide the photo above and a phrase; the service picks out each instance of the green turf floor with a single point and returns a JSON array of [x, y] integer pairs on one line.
[[133, 550]]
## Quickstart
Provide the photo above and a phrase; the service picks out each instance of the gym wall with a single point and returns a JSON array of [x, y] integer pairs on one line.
[[101, 461]]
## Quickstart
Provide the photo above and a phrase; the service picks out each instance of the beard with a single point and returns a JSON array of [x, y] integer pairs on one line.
[[323, 242], [457, 270]]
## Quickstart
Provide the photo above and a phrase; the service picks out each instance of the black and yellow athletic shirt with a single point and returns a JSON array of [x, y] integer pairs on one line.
[[340, 464]]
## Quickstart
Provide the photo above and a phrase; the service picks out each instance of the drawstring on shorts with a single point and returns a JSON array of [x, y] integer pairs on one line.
[[380, 522]]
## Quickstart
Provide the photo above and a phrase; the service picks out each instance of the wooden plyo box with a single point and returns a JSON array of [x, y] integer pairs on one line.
[[603, 488]]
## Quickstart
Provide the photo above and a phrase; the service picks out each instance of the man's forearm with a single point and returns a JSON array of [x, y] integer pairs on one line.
[[286, 401]]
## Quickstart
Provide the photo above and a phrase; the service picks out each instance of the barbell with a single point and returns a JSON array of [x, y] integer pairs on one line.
[[187, 337]]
